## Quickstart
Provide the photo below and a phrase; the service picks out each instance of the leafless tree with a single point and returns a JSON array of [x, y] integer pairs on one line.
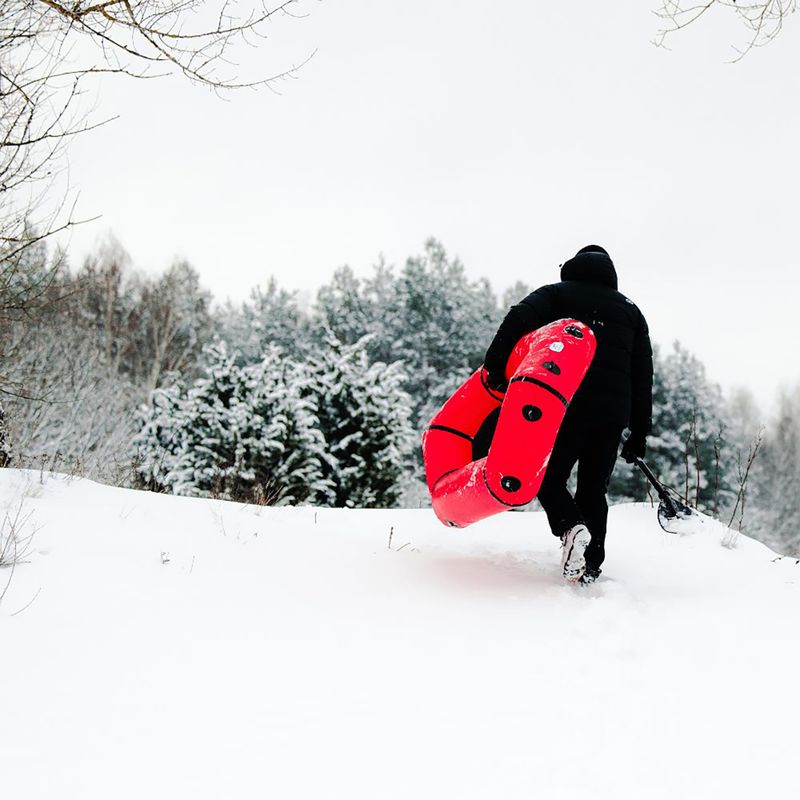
[[49, 52], [30, 284], [144, 326], [5, 446], [744, 468], [762, 20], [76, 414]]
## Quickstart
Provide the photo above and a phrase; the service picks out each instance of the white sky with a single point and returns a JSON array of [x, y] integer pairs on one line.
[[515, 136]]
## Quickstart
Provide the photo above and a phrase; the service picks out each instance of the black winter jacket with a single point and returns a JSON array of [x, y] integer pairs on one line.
[[617, 389]]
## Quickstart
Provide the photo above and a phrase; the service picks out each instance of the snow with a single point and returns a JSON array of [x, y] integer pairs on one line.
[[188, 648]]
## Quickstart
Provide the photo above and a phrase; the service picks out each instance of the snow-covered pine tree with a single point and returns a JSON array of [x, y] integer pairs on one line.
[[429, 315], [279, 432], [271, 316], [206, 460], [243, 433], [159, 437], [443, 325], [364, 414], [344, 308]]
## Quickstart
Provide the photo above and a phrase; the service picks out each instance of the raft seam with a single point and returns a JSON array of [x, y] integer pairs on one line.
[[550, 389], [450, 430]]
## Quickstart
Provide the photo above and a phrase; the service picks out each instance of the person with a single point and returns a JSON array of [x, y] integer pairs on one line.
[[615, 394]]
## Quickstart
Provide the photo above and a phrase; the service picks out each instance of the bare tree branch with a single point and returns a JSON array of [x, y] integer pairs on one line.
[[763, 20], [744, 475], [50, 50]]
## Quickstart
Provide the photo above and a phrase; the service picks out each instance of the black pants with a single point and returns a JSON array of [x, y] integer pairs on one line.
[[594, 448]]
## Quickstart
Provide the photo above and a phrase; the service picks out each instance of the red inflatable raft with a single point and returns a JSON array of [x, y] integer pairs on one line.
[[544, 371]]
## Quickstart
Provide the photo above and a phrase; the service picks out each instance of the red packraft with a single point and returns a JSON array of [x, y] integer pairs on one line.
[[544, 371]]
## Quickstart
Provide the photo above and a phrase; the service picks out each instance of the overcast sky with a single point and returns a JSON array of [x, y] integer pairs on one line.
[[514, 133]]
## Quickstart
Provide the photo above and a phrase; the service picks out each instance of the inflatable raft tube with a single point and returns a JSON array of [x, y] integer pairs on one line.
[[543, 372]]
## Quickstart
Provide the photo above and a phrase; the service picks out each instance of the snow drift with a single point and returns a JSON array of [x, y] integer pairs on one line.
[[164, 647]]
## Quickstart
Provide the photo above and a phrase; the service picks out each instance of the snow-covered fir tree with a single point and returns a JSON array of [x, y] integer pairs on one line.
[[280, 430], [271, 316], [345, 307], [428, 315], [159, 438], [244, 433], [206, 461], [364, 414], [185, 444], [444, 326]]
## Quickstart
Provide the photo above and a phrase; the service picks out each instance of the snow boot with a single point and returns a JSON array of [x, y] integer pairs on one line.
[[573, 546], [590, 576]]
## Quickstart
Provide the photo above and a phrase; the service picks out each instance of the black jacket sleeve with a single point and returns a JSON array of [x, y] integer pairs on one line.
[[533, 312], [641, 382]]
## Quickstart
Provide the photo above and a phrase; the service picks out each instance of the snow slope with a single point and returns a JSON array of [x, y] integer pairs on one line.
[[290, 653]]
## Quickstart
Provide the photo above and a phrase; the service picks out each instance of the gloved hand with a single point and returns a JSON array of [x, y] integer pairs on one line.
[[634, 447], [497, 383]]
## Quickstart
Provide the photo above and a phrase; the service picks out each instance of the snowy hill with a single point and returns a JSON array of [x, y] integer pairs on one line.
[[179, 648]]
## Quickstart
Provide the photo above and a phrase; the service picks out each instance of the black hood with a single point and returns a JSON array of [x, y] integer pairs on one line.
[[590, 266]]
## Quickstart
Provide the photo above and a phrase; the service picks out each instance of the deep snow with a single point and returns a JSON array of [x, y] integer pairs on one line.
[[290, 653]]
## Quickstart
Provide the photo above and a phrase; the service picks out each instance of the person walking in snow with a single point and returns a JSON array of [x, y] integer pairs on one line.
[[615, 394]]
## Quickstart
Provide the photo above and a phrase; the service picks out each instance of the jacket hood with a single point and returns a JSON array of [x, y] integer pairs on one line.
[[590, 266]]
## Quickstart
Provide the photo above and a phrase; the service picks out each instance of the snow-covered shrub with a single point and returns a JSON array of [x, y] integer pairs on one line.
[[73, 412], [245, 433], [364, 414]]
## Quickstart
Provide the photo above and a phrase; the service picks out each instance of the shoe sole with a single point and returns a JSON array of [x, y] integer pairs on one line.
[[575, 563]]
